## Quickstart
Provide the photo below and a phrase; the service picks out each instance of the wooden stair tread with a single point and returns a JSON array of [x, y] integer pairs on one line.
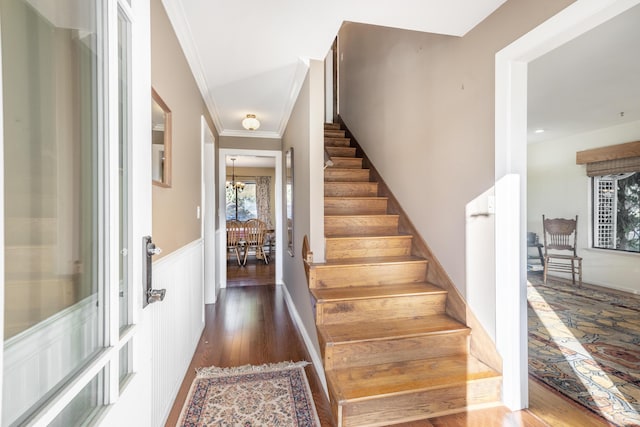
[[367, 382], [338, 333], [365, 292]]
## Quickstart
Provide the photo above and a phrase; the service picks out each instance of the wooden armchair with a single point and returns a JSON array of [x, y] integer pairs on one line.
[[561, 235], [254, 235], [235, 232]]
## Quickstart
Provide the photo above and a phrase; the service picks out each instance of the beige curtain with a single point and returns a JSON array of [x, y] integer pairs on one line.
[[263, 199]]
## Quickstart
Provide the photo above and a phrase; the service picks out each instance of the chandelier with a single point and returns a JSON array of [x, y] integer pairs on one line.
[[236, 185]]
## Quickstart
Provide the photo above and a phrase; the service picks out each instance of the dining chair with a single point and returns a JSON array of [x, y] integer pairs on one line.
[[254, 235], [560, 254], [235, 232]]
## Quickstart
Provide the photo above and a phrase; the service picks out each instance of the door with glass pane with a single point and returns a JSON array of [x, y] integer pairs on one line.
[[66, 129]]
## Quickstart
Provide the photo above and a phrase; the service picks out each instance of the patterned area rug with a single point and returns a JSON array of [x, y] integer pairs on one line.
[[248, 396], [585, 343]]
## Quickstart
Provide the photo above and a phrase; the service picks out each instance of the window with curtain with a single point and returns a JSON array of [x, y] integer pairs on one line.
[[615, 175]]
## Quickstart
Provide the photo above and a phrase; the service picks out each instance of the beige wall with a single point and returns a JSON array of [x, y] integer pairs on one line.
[[239, 142], [557, 187], [304, 133], [174, 209], [422, 107]]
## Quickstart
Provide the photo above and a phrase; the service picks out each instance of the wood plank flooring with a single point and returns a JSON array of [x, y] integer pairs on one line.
[[251, 324]]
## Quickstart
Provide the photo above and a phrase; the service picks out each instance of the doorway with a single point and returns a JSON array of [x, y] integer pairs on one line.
[[252, 181], [511, 160]]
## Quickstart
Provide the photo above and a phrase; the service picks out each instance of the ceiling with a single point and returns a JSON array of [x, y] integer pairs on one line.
[[589, 83], [251, 57]]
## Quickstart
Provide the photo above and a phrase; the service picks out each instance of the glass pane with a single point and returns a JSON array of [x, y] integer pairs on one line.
[[83, 407], [124, 114], [51, 60], [246, 207], [125, 362], [628, 220]]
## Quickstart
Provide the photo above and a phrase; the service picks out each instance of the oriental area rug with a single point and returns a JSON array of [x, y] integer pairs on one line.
[[249, 396], [585, 343]]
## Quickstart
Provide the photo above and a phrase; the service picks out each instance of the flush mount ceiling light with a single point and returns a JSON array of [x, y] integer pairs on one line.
[[250, 122]]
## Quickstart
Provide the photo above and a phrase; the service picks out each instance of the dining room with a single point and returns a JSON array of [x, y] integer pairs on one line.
[[250, 217]]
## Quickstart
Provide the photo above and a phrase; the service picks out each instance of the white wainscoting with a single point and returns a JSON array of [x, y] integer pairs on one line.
[[40, 357], [177, 323]]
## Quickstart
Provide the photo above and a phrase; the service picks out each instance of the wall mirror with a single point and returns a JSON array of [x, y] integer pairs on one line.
[[289, 191], [160, 141]]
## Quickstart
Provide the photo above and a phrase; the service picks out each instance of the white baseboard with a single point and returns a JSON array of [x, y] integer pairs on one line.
[[308, 342]]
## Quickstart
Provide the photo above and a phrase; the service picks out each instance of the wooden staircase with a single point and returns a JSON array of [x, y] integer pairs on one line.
[[391, 352]]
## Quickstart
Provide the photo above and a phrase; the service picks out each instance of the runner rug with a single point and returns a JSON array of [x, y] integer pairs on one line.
[[585, 343], [249, 396]]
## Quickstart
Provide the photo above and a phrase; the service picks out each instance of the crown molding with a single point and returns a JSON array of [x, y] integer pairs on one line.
[[177, 17]]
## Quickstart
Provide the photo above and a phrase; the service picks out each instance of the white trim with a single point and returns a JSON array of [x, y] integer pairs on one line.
[[2, 241], [208, 214], [308, 342], [511, 140], [221, 264]]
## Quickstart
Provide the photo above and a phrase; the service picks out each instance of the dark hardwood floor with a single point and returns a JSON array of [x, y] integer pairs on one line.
[[255, 273], [250, 324]]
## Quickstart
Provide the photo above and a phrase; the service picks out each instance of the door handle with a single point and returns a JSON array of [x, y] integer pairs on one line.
[[150, 295]]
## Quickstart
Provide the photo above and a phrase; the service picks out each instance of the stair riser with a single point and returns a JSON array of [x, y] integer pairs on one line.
[[355, 206], [346, 163], [332, 133], [341, 151], [360, 225], [421, 404], [392, 350], [346, 175], [332, 126], [367, 274], [336, 142], [367, 247], [379, 309], [350, 189]]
